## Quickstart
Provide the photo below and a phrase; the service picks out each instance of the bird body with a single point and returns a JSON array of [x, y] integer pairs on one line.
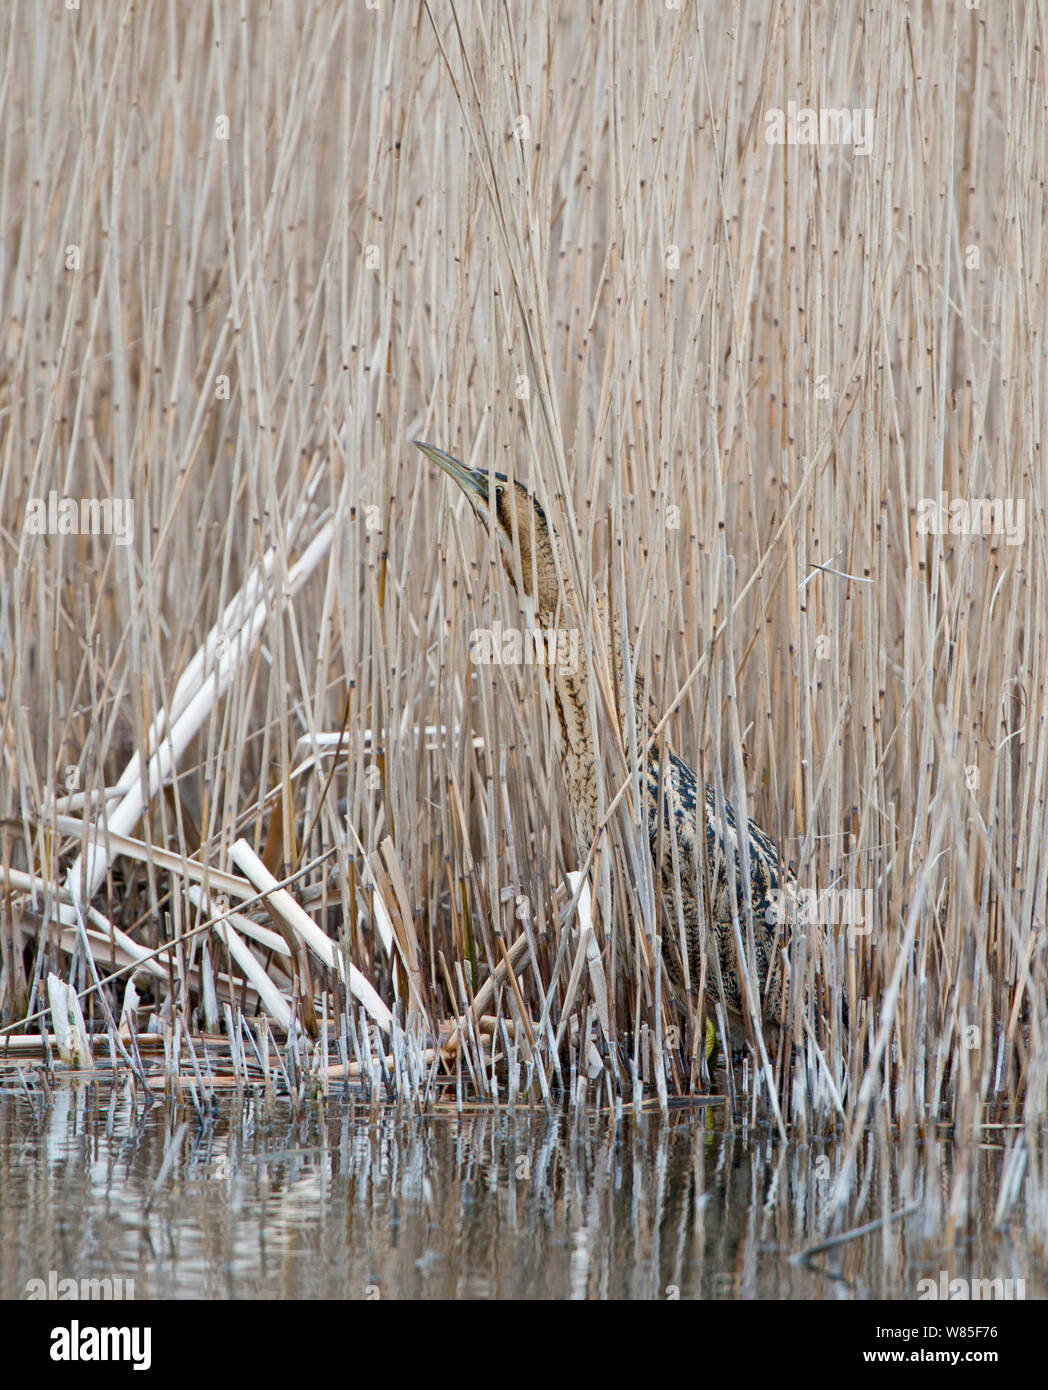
[[535, 562]]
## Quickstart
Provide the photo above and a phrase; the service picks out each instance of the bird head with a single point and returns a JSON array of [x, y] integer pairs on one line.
[[513, 514]]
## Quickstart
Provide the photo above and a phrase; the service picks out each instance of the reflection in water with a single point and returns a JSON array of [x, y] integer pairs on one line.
[[342, 1202]]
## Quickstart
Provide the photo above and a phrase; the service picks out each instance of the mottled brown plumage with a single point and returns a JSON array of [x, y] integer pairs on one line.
[[550, 602]]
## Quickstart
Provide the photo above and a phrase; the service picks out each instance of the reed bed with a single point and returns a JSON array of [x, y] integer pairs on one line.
[[245, 260]]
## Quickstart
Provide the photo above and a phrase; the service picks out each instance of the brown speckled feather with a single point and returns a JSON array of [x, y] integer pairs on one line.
[[532, 554]]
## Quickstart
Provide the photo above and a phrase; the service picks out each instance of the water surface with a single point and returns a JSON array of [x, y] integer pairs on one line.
[[343, 1202]]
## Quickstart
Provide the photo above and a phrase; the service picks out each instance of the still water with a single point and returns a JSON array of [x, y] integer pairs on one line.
[[342, 1202]]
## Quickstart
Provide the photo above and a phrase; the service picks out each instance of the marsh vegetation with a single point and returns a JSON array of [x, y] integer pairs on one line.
[[243, 263]]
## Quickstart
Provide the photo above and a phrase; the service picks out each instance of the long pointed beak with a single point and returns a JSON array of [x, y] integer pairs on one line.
[[472, 482]]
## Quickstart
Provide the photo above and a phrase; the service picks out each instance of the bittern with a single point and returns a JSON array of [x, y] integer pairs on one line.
[[532, 553]]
